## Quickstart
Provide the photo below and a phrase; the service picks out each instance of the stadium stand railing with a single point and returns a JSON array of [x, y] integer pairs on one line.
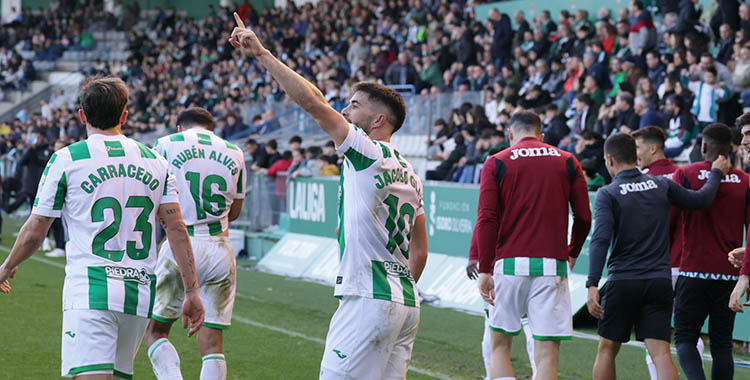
[[265, 202]]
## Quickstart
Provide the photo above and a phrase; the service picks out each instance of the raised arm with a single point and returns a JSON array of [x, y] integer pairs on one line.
[[298, 88]]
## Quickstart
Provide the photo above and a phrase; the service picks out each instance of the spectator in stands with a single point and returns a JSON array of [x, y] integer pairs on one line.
[[402, 71], [741, 75], [723, 75], [594, 180], [442, 171], [619, 117], [645, 88], [649, 116], [282, 164], [707, 95], [591, 87], [523, 27], [553, 126], [680, 127], [327, 165], [656, 70], [642, 36], [591, 146], [32, 162], [586, 115], [725, 44], [435, 146], [295, 143]]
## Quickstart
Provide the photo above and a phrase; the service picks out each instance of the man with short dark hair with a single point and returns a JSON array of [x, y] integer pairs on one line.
[[737, 257], [211, 195], [706, 278], [382, 232], [109, 190], [529, 184], [649, 144], [632, 217]]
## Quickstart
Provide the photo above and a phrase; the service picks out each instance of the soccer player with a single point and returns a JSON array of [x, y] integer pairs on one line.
[[649, 145], [472, 271], [522, 237], [211, 175], [381, 233], [706, 278], [632, 217], [110, 190]]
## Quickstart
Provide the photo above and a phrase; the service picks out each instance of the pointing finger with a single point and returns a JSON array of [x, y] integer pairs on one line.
[[238, 20]]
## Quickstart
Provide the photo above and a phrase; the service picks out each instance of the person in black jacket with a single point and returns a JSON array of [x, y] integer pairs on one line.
[[689, 16], [632, 221], [502, 37], [465, 47], [402, 71], [32, 163], [444, 169], [554, 126]]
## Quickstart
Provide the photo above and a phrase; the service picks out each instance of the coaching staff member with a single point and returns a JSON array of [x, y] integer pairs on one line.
[[632, 215], [706, 277]]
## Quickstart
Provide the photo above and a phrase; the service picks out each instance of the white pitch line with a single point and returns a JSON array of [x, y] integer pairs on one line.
[[250, 322], [320, 341], [426, 372], [40, 259]]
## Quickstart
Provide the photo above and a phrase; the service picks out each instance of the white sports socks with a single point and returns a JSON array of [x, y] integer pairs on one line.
[[214, 367], [164, 360]]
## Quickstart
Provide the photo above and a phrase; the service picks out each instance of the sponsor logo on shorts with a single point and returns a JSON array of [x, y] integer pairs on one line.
[[71, 334], [339, 354], [339, 280], [128, 274], [397, 269]]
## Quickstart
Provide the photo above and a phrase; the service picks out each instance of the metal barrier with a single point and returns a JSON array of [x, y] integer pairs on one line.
[[421, 113], [265, 202]]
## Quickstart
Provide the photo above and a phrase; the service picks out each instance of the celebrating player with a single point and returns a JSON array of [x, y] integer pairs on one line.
[[524, 195], [109, 189], [632, 216], [382, 232], [706, 278], [210, 174]]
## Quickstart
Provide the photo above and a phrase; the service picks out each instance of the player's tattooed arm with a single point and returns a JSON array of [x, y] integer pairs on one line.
[[170, 217], [163, 222], [29, 240]]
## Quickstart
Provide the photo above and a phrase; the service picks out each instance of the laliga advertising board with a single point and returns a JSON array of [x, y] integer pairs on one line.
[[310, 249]]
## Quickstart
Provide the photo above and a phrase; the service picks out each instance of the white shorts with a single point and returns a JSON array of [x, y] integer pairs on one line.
[[544, 299], [100, 342], [369, 339], [675, 274], [215, 267]]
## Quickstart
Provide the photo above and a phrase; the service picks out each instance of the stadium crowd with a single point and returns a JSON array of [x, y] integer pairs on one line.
[[589, 76]]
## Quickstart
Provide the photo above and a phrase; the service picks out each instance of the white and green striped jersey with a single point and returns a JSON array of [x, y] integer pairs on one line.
[[210, 174], [380, 196], [108, 190]]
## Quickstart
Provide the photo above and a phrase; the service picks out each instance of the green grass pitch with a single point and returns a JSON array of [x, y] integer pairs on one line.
[[277, 333]]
